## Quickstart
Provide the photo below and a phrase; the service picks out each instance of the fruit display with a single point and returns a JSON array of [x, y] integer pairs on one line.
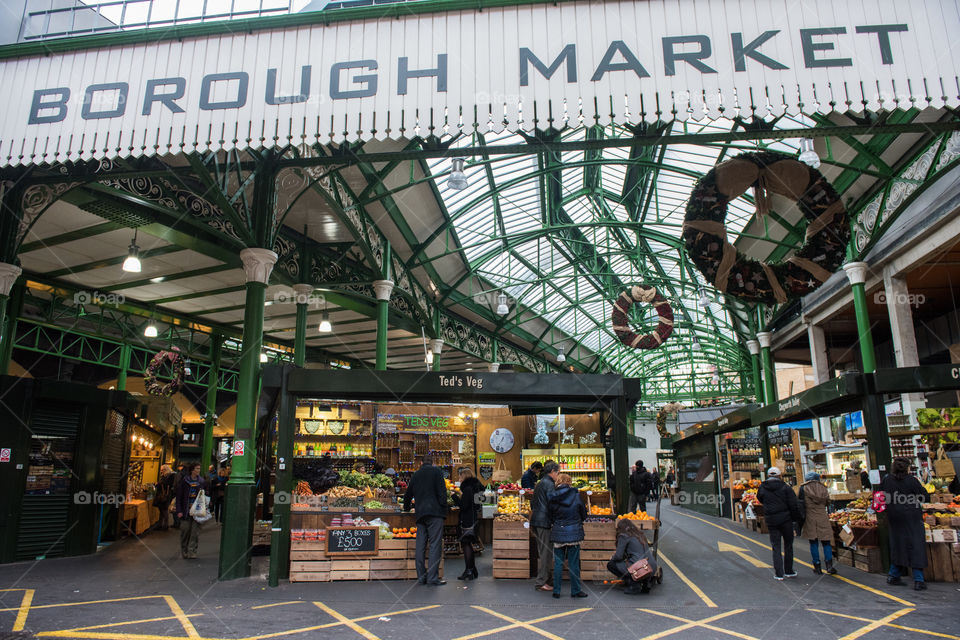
[[583, 485], [748, 484], [862, 502], [600, 511], [512, 504], [750, 497], [506, 486], [853, 518], [404, 532], [303, 488], [510, 517], [637, 515]]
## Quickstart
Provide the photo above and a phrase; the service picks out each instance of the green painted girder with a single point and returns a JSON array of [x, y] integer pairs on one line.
[[220, 268], [69, 236]]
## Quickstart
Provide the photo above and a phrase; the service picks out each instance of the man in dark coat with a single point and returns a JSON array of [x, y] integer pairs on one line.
[[904, 495], [428, 492], [531, 475], [781, 511], [540, 521], [640, 485]]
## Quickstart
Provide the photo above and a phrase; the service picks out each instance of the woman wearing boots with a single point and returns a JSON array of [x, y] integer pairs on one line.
[[813, 500], [631, 548], [469, 503]]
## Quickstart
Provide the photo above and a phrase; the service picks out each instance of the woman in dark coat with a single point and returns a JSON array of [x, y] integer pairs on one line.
[[567, 514], [632, 547], [904, 495], [469, 503]]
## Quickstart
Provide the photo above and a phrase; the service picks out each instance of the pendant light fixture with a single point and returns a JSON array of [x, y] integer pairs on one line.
[[458, 179], [132, 263], [150, 331], [808, 155], [325, 326], [560, 356], [502, 308]]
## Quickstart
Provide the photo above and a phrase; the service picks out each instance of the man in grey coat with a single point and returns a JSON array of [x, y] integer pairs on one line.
[[540, 521]]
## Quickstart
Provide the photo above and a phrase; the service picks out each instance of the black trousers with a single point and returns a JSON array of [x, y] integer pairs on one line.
[[429, 532], [784, 533]]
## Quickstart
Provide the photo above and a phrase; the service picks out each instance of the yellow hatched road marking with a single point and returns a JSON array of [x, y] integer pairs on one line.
[[128, 622], [697, 590], [182, 617], [23, 609], [347, 621], [77, 604], [279, 604], [893, 626], [806, 564], [690, 624], [517, 623], [328, 625], [101, 635], [876, 624]]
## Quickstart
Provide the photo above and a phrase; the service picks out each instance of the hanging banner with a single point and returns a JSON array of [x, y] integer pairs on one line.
[[532, 66]]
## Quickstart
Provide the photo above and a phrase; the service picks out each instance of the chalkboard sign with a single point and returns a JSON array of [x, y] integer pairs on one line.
[[486, 471], [354, 541]]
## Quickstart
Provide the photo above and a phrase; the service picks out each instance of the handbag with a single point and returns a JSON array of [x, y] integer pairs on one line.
[[640, 569], [943, 466]]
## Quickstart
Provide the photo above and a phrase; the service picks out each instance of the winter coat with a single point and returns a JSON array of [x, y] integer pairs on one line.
[[467, 501], [908, 547], [539, 512], [528, 480], [166, 491], [428, 492], [184, 499], [816, 524], [567, 514], [630, 550], [779, 502], [640, 481]]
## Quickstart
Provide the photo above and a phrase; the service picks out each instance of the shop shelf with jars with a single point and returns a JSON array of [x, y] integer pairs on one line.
[[587, 464]]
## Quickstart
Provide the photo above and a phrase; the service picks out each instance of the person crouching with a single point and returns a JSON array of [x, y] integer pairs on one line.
[[632, 547]]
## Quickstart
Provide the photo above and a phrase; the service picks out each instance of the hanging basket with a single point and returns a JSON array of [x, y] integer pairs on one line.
[[151, 381], [705, 234], [621, 326]]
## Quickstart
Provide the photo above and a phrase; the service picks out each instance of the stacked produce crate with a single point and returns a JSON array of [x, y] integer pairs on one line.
[[395, 560], [599, 543], [511, 547]]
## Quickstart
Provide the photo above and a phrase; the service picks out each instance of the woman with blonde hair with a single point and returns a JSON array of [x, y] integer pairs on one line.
[[567, 514], [164, 495]]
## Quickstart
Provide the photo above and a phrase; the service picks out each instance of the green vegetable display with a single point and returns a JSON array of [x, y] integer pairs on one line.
[[374, 504]]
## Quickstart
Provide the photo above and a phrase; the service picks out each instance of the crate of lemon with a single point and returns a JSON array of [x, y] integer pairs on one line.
[[511, 537]]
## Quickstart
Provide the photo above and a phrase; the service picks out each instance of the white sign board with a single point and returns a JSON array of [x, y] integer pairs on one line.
[[516, 68]]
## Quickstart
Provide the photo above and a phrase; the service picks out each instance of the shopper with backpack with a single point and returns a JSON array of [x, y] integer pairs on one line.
[[640, 485]]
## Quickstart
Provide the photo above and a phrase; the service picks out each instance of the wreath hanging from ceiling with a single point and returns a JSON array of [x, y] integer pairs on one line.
[[705, 234], [151, 378], [621, 326]]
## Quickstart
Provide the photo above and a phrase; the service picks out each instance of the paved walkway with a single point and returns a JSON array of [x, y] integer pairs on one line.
[[716, 585]]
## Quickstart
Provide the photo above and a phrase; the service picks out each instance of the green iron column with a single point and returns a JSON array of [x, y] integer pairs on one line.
[[857, 274], [123, 366], [240, 499], [302, 296], [283, 493], [754, 347], [383, 289], [210, 415], [15, 307], [769, 372], [8, 276]]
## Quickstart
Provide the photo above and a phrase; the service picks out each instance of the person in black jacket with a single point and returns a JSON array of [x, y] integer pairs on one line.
[[904, 497], [640, 485], [191, 483], [428, 492], [781, 511], [471, 493], [632, 547], [540, 521], [567, 514], [531, 475]]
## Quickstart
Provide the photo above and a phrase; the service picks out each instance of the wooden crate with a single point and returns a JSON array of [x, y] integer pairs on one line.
[[380, 565], [523, 574], [511, 548], [307, 576], [510, 563], [308, 545], [350, 565], [868, 560], [939, 562], [399, 543], [510, 530], [600, 530], [392, 574], [597, 554], [310, 567], [593, 566], [349, 575], [307, 555]]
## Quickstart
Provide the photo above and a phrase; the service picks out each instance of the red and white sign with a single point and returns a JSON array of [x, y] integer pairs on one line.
[[238, 448], [4, 455]]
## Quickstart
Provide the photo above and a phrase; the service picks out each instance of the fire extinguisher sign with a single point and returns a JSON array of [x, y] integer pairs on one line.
[[238, 448]]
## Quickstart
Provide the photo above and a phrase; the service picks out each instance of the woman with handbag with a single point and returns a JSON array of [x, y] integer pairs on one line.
[[567, 514], [633, 561], [816, 528], [469, 503]]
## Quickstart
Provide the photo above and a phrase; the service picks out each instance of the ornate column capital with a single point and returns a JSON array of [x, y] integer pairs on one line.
[[8, 275], [764, 337], [383, 289], [753, 347], [436, 345], [856, 272], [493, 367], [301, 293], [258, 264]]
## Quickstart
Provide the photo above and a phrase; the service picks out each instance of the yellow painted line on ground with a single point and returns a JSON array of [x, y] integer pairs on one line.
[[182, 617], [743, 553], [278, 604], [876, 624], [347, 621], [120, 624], [101, 635], [807, 564], [515, 625], [329, 625], [77, 604], [23, 610], [690, 624], [893, 626], [519, 624], [697, 590]]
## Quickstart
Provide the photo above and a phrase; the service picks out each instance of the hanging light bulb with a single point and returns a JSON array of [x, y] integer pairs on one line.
[[476, 414], [502, 308], [187, 369], [429, 358], [696, 345], [462, 414], [133, 438], [151, 330], [263, 356], [132, 263], [808, 155], [560, 356], [704, 300], [325, 326], [458, 179]]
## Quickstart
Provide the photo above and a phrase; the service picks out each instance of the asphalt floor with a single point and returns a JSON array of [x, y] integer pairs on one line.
[[717, 584]]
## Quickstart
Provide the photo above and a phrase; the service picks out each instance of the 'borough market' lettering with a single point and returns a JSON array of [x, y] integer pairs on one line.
[[819, 47]]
